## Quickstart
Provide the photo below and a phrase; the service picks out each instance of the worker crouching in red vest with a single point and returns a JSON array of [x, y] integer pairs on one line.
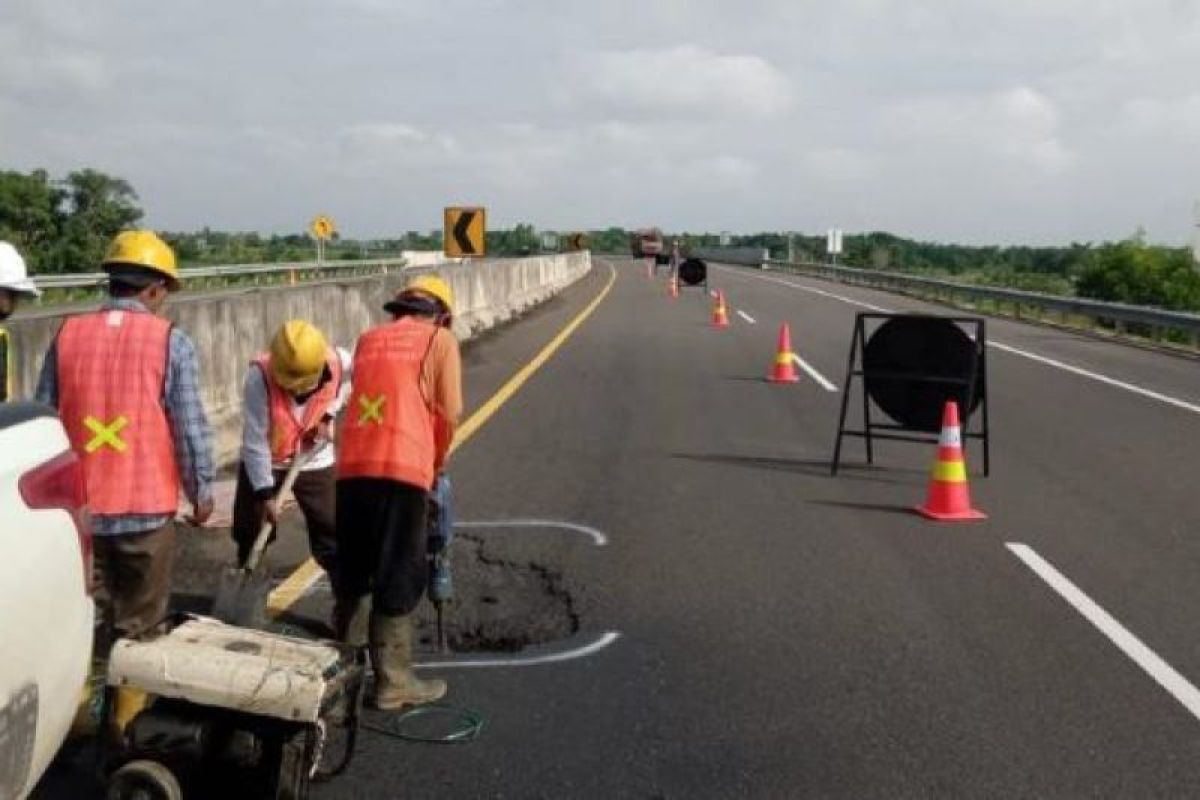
[[291, 397], [406, 400]]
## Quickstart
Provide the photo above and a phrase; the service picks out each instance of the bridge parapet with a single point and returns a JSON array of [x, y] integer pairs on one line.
[[230, 326]]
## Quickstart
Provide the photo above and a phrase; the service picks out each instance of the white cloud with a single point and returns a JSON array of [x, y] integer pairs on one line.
[[663, 82], [972, 120], [372, 141], [837, 164], [1168, 116], [1019, 125]]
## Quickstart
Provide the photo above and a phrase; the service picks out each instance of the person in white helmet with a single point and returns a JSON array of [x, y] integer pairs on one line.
[[14, 284]]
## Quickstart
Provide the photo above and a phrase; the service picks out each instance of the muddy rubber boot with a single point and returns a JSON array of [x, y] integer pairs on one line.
[[396, 685]]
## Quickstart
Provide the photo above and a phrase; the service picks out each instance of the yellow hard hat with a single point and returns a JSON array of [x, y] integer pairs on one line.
[[298, 354], [142, 249], [433, 286]]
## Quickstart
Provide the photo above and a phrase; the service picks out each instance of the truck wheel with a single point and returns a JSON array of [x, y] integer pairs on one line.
[[143, 780]]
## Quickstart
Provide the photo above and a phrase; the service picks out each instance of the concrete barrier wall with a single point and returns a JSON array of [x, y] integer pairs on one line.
[[230, 327]]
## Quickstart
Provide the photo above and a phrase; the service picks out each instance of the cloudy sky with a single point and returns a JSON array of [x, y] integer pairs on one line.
[[1040, 121]]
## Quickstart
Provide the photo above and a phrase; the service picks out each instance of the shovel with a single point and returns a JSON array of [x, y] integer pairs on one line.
[[241, 597]]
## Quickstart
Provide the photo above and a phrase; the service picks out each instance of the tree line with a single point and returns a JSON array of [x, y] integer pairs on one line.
[[64, 225], [1128, 271]]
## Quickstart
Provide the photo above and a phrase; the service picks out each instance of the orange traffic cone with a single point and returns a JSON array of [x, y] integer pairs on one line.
[[785, 359], [948, 499], [720, 318], [673, 287]]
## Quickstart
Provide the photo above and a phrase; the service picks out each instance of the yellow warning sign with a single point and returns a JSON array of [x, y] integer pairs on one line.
[[322, 227], [465, 232]]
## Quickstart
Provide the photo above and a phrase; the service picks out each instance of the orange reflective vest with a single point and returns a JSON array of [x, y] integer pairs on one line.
[[389, 430], [286, 427], [112, 368]]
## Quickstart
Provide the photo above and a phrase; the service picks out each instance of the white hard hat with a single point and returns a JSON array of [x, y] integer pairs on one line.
[[13, 275]]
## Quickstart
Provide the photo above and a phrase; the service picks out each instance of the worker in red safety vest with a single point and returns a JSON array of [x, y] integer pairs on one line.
[[403, 409], [291, 397], [126, 383]]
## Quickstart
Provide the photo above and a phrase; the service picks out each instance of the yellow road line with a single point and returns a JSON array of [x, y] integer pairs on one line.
[[485, 412], [295, 585]]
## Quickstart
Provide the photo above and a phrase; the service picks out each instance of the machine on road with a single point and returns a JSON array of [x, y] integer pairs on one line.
[[225, 701]]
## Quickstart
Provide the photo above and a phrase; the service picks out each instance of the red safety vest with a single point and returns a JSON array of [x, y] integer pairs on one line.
[[286, 427], [389, 430], [112, 367]]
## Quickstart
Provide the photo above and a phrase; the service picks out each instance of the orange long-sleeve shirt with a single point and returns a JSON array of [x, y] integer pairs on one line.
[[441, 383]]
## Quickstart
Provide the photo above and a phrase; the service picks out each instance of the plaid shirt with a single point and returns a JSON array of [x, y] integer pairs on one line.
[[189, 425]]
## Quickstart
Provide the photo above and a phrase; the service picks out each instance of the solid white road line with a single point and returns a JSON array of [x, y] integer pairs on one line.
[[1007, 348], [598, 537], [1096, 376], [527, 661], [1162, 672], [816, 376], [746, 317], [811, 289]]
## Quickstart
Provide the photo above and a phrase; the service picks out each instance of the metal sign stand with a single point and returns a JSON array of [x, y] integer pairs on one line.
[[971, 383]]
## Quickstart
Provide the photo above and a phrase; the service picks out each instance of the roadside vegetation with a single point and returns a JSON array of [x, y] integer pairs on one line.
[[62, 225], [1128, 271]]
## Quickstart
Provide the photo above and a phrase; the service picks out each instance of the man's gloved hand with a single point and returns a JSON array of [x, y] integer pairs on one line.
[[323, 431], [269, 511], [201, 511]]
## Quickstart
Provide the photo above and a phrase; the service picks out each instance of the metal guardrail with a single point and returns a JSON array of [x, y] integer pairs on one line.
[[88, 280], [1118, 314]]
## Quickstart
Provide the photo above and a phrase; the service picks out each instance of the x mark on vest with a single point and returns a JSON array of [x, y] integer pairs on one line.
[[372, 409], [106, 435]]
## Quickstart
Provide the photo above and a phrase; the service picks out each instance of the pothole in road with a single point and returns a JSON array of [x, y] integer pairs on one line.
[[506, 598], [501, 604]]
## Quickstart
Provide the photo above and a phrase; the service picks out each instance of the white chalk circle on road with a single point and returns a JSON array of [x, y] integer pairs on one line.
[[537, 659], [597, 537]]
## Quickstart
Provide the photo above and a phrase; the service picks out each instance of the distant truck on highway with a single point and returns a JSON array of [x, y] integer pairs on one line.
[[648, 243], [45, 592]]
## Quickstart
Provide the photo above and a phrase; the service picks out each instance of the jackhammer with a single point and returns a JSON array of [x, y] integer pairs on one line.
[[441, 532]]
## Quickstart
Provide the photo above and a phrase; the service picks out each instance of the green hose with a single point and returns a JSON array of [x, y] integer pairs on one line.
[[468, 727]]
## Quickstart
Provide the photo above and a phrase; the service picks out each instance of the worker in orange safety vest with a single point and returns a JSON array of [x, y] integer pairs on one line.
[[405, 403], [292, 396], [125, 381]]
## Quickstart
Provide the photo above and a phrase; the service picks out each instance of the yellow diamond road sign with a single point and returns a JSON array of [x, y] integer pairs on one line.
[[465, 232], [322, 227]]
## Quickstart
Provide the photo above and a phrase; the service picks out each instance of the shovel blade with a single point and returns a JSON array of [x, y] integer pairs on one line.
[[241, 598]]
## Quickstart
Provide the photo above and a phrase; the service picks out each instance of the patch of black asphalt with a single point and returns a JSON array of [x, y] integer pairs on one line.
[[788, 634]]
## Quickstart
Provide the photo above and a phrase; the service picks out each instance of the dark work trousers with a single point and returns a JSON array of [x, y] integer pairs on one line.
[[382, 544], [132, 575], [315, 493]]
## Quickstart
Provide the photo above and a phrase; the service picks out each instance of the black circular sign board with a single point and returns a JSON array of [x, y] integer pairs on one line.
[[693, 272], [906, 362]]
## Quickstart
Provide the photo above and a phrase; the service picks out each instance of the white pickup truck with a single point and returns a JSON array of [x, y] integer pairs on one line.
[[46, 608]]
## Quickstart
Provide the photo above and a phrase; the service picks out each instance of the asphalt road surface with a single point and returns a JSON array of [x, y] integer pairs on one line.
[[777, 632]]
